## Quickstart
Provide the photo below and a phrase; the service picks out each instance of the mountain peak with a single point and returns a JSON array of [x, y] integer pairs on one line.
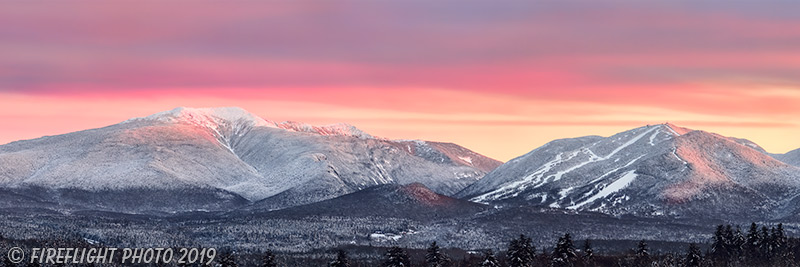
[[677, 130], [208, 116], [342, 129], [212, 117]]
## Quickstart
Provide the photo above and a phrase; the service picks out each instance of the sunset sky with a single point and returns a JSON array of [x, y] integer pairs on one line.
[[501, 78]]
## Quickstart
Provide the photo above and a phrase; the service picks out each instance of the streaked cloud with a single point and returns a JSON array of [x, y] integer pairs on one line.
[[450, 70]]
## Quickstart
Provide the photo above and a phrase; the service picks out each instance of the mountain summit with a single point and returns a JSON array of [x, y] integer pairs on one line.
[[227, 154], [209, 117], [653, 170], [218, 118]]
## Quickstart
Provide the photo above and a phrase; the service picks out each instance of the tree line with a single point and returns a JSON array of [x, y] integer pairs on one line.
[[729, 246]]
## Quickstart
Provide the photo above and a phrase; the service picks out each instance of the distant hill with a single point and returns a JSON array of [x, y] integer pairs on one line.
[[412, 201]]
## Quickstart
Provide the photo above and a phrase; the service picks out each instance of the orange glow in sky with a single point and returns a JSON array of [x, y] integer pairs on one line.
[[498, 78]]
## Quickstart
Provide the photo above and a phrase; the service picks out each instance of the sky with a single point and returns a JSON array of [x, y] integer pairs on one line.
[[498, 77]]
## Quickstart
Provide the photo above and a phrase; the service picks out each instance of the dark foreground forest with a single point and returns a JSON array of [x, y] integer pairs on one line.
[[730, 246]]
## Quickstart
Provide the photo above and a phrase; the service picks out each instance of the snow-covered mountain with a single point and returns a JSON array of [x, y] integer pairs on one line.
[[229, 154], [791, 157], [651, 171]]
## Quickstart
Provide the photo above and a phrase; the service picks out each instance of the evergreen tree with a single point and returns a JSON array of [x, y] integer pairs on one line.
[[693, 256], [341, 260], [564, 253], [642, 253], [784, 250], [765, 247], [520, 252], [727, 237], [781, 233], [717, 245], [752, 244], [588, 252], [723, 246], [642, 249], [738, 243], [435, 257], [396, 257], [269, 259], [779, 241], [489, 260], [227, 259]]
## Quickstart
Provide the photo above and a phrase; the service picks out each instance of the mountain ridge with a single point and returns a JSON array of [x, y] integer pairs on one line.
[[648, 171], [791, 157], [235, 151]]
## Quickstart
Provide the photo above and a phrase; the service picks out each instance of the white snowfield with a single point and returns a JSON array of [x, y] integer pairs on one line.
[[611, 188], [640, 170], [235, 151]]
